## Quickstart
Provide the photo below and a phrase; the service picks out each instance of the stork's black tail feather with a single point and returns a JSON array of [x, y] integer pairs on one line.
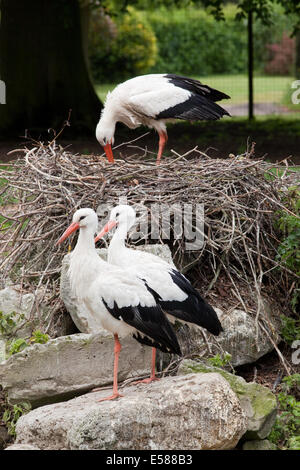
[[175, 349], [194, 309], [152, 326]]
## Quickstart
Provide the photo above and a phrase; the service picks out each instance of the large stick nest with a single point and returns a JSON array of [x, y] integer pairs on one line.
[[241, 198]]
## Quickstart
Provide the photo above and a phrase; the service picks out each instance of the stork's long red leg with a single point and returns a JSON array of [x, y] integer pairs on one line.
[[117, 350], [163, 138], [152, 376]]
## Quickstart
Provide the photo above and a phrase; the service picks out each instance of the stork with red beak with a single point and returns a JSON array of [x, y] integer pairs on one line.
[[152, 101], [172, 290], [122, 302]]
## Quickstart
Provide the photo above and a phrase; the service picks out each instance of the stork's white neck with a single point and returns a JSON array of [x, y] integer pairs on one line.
[[85, 264], [85, 241], [107, 119], [117, 244], [106, 126]]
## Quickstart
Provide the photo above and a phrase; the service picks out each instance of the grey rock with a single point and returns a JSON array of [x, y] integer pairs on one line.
[[2, 350], [21, 305], [21, 447], [163, 251], [29, 313], [198, 411], [259, 445], [240, 338], [70, 365], [258, 402], [13, 299], [4, 436], [264, 411]]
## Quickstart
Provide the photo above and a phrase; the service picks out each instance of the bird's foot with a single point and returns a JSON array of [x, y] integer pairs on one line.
[[146, 381], [112, 397]]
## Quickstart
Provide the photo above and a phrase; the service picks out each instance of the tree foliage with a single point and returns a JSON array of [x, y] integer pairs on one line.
[[191, 42], [262, 8], [122, 47]]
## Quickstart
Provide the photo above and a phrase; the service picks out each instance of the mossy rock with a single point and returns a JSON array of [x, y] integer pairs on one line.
[[259, 445], [258, 402]]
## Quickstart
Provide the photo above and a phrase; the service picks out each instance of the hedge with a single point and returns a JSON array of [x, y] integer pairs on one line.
[[191, 42], [121, 48], [185, 41]]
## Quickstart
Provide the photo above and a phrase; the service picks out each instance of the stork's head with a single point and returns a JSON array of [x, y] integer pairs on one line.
[[121, 216], [84, 218], [105, 135]]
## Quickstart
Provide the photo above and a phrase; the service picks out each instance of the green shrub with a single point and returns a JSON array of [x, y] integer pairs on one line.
[[191, 42], [121, 49], [17, 345], [285, 433], [12, 414], [220, 360], [289, 248], [290, 329], [7, 323], [102, 33], [282, 56], [264, 36], [38, 337]]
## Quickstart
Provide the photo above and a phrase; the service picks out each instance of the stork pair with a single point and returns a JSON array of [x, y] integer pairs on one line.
[[134, 292]]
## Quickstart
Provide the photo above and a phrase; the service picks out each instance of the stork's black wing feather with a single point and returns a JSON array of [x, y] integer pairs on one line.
[[199, 106], [195, 108], [154, 329], [194, 309], [196, 87]]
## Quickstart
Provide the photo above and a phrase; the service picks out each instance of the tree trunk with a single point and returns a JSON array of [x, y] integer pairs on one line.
[[43, 66], [297, 66], [250, 66], [85, 24]]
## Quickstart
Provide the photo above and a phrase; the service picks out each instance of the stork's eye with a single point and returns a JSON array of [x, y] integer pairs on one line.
[[117, 214], [82, 217]]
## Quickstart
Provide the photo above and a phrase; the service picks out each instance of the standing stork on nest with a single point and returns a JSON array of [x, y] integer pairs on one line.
[[153, 100]]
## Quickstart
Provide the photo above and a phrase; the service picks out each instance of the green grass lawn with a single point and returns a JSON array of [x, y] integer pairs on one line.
[[266, 89], [278, 172], [3, 181], [102, 89]]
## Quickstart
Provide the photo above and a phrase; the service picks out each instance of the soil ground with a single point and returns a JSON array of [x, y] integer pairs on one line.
[[276, 139], [268, 370]]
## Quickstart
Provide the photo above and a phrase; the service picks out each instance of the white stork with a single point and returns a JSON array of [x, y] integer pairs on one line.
[[121, 301], [172, 290], [153, 100]]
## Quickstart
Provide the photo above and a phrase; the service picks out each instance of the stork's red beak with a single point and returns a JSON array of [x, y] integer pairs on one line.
[[74, 226], [110, 225], [109, 153]]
